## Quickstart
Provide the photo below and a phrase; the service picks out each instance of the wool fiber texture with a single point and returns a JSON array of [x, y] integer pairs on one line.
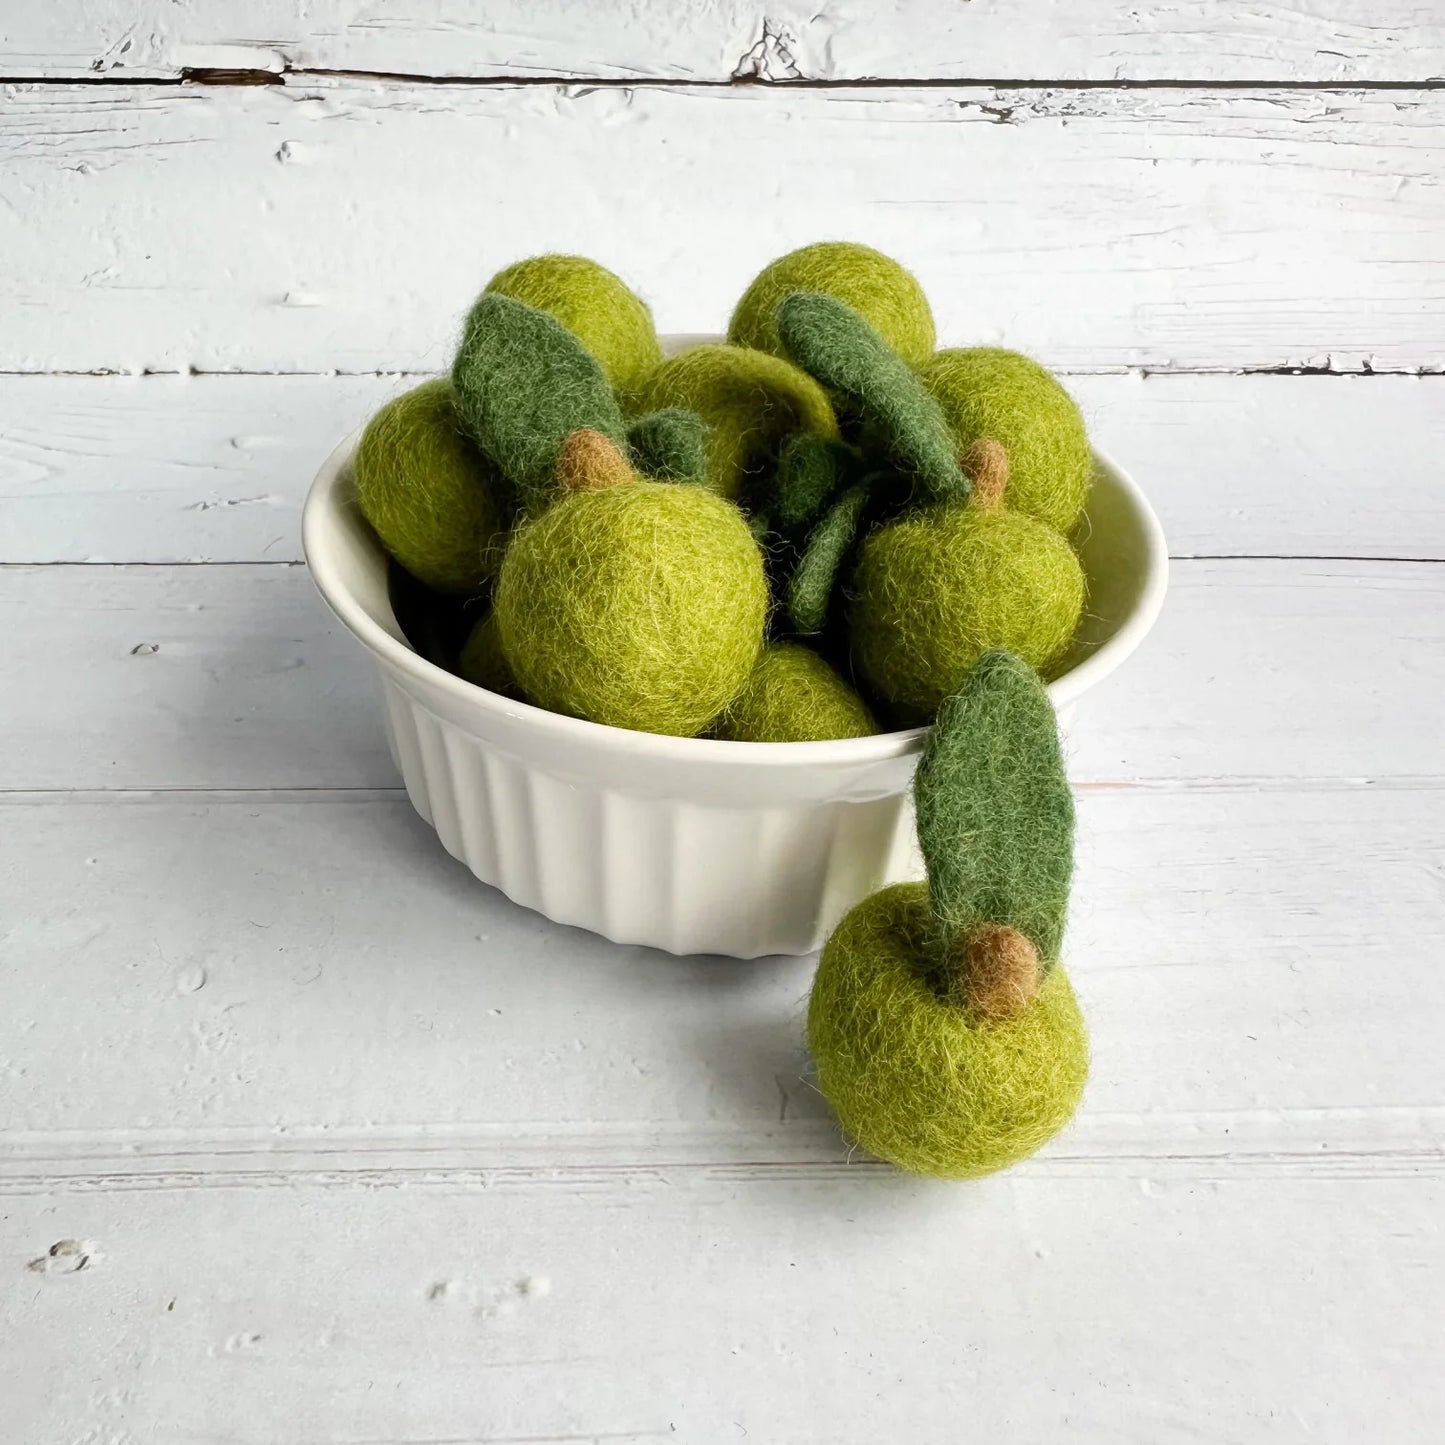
[[524, 383], [993, 971], [936, 589], [587, 461], [639, 606], [985, 464], [750, 402], [669, 445], [834, 343], [994, 810], [810, 471], [989, 392], [793, 696], [597, 307], [918, 1080], [438, 506], [482, 662], [884, 293], [811, 586]]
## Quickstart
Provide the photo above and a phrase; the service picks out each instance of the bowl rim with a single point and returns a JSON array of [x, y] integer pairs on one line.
[[318, 539]]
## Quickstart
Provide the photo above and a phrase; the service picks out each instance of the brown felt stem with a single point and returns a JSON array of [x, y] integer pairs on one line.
[[985, 462], [992, 971], [587, 461]]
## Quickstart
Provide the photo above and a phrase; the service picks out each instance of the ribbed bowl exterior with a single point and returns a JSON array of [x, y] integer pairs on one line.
[[683, 844], [680, 874]]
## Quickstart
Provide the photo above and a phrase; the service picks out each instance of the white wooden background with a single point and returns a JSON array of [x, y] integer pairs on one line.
[[306, 1137]]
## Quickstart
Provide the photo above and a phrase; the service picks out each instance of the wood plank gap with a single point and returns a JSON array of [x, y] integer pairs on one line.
[[1288, 557], [1430, 371], [250, 797], [203, 797], [1352, 1142], [220, 76], [21, 564]]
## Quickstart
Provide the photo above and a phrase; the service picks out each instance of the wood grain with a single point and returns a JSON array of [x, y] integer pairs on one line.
[[1199, 40], [214, 468], [807, 1310], [311, 989], [1259, 672], [331, 224], [305, 1135]]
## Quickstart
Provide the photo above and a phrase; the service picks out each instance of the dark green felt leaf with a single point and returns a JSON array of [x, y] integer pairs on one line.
[[810, 470], [524, 383], [810, 589], [670, 444], [995, 814], [836, 346]]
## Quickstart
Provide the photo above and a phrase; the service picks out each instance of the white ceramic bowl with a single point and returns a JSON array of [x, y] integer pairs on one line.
[[686, 844]]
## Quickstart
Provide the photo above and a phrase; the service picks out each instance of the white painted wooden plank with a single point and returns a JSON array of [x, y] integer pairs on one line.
[[236, 677], [338, 224], [214, 468], [1261, 670], [814, 1311], [282, 990], [1331, 40], [170, 468], [1329, 1143], [182, 677], [1281, 465]]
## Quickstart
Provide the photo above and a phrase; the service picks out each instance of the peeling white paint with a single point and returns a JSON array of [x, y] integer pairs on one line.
[[1312, 40], [1157, 228]]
